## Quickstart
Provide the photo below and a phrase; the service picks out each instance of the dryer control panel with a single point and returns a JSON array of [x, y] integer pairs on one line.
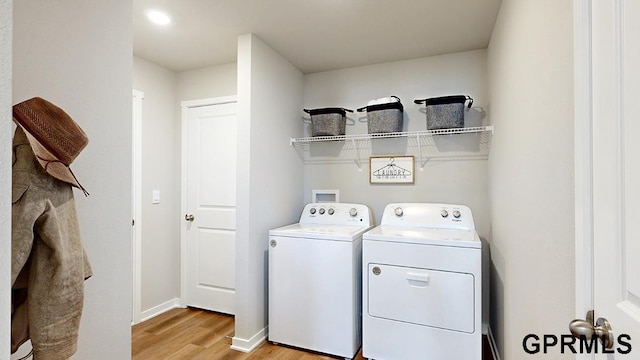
[[442, 216]]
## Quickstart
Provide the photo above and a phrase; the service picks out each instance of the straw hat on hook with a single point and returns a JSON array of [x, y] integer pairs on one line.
[[55, 138]]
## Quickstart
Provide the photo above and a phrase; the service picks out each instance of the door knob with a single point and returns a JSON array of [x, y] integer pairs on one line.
[[586, 328], [189, 217]]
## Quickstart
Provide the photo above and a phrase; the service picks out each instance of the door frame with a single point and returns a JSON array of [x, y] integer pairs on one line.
[[583, 162], [583, 175], [186, 105], [136, 206], [583, 167]]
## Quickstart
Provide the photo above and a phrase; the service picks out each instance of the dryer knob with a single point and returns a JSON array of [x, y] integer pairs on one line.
[[398, 211], [353, 212], [456, 214], [444, 213]]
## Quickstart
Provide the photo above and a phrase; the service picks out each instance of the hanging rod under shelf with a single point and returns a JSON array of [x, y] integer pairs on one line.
[[453, 131]]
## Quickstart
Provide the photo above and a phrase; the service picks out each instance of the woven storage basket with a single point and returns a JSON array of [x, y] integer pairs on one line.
[[384, 117], [328, 121], [446, 112]]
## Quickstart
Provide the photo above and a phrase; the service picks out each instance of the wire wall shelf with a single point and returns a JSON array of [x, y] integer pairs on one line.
[[468, 143]]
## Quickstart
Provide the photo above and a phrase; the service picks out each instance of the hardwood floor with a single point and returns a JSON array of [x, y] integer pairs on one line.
[[193, 334]]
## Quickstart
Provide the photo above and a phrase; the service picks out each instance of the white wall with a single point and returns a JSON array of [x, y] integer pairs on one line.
[[269, 174], [531, 178], [6, 28], [214, 81], [459, 181], [160, 279], [77, 54]]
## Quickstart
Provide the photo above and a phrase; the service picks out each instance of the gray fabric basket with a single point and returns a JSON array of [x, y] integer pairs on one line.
[[445, 112], [328, 121], [384, 118]]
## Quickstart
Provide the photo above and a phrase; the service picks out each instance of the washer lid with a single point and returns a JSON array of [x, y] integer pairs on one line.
[[425, 236], [321, 231]]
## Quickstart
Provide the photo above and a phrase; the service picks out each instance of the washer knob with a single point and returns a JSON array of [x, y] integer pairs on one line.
[[398, 211], [456, 214], [330, 211], [353, 212], [444, 213], [312, 211], [321, 211]]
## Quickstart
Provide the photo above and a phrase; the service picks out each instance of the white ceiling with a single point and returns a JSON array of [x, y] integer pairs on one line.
[[314, 35]]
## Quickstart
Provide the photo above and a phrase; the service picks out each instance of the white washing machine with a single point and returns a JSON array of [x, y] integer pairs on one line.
[[422, 284], [315, 274]]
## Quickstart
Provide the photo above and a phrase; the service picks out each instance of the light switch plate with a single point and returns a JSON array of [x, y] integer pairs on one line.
[[155, 199]]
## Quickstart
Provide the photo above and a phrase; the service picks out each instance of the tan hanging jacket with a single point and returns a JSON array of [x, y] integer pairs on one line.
[[49, 264]]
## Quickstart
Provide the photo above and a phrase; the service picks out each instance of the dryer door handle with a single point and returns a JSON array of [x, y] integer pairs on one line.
[[418, 279]]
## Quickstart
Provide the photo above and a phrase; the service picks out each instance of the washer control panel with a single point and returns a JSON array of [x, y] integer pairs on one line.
[[336, 214], [445, 216]]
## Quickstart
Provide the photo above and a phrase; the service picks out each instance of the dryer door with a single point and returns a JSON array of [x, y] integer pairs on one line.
[[426, 297]]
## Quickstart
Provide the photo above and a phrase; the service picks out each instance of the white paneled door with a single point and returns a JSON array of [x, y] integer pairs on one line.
[[209, 200], [608, 172]]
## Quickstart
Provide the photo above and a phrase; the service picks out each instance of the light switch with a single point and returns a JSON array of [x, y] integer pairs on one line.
[[155, 199]]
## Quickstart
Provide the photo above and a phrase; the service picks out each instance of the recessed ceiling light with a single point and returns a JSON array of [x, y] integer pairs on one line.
[[158, 17]]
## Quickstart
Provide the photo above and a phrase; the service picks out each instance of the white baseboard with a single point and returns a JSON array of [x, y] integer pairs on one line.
[[247, 346], [159, 309], [492, 344]]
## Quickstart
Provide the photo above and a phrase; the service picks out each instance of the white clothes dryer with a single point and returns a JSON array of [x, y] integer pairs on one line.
[[315, 274], [422, 291]]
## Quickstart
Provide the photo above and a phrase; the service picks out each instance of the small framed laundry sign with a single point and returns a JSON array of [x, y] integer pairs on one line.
[[391, 169]]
